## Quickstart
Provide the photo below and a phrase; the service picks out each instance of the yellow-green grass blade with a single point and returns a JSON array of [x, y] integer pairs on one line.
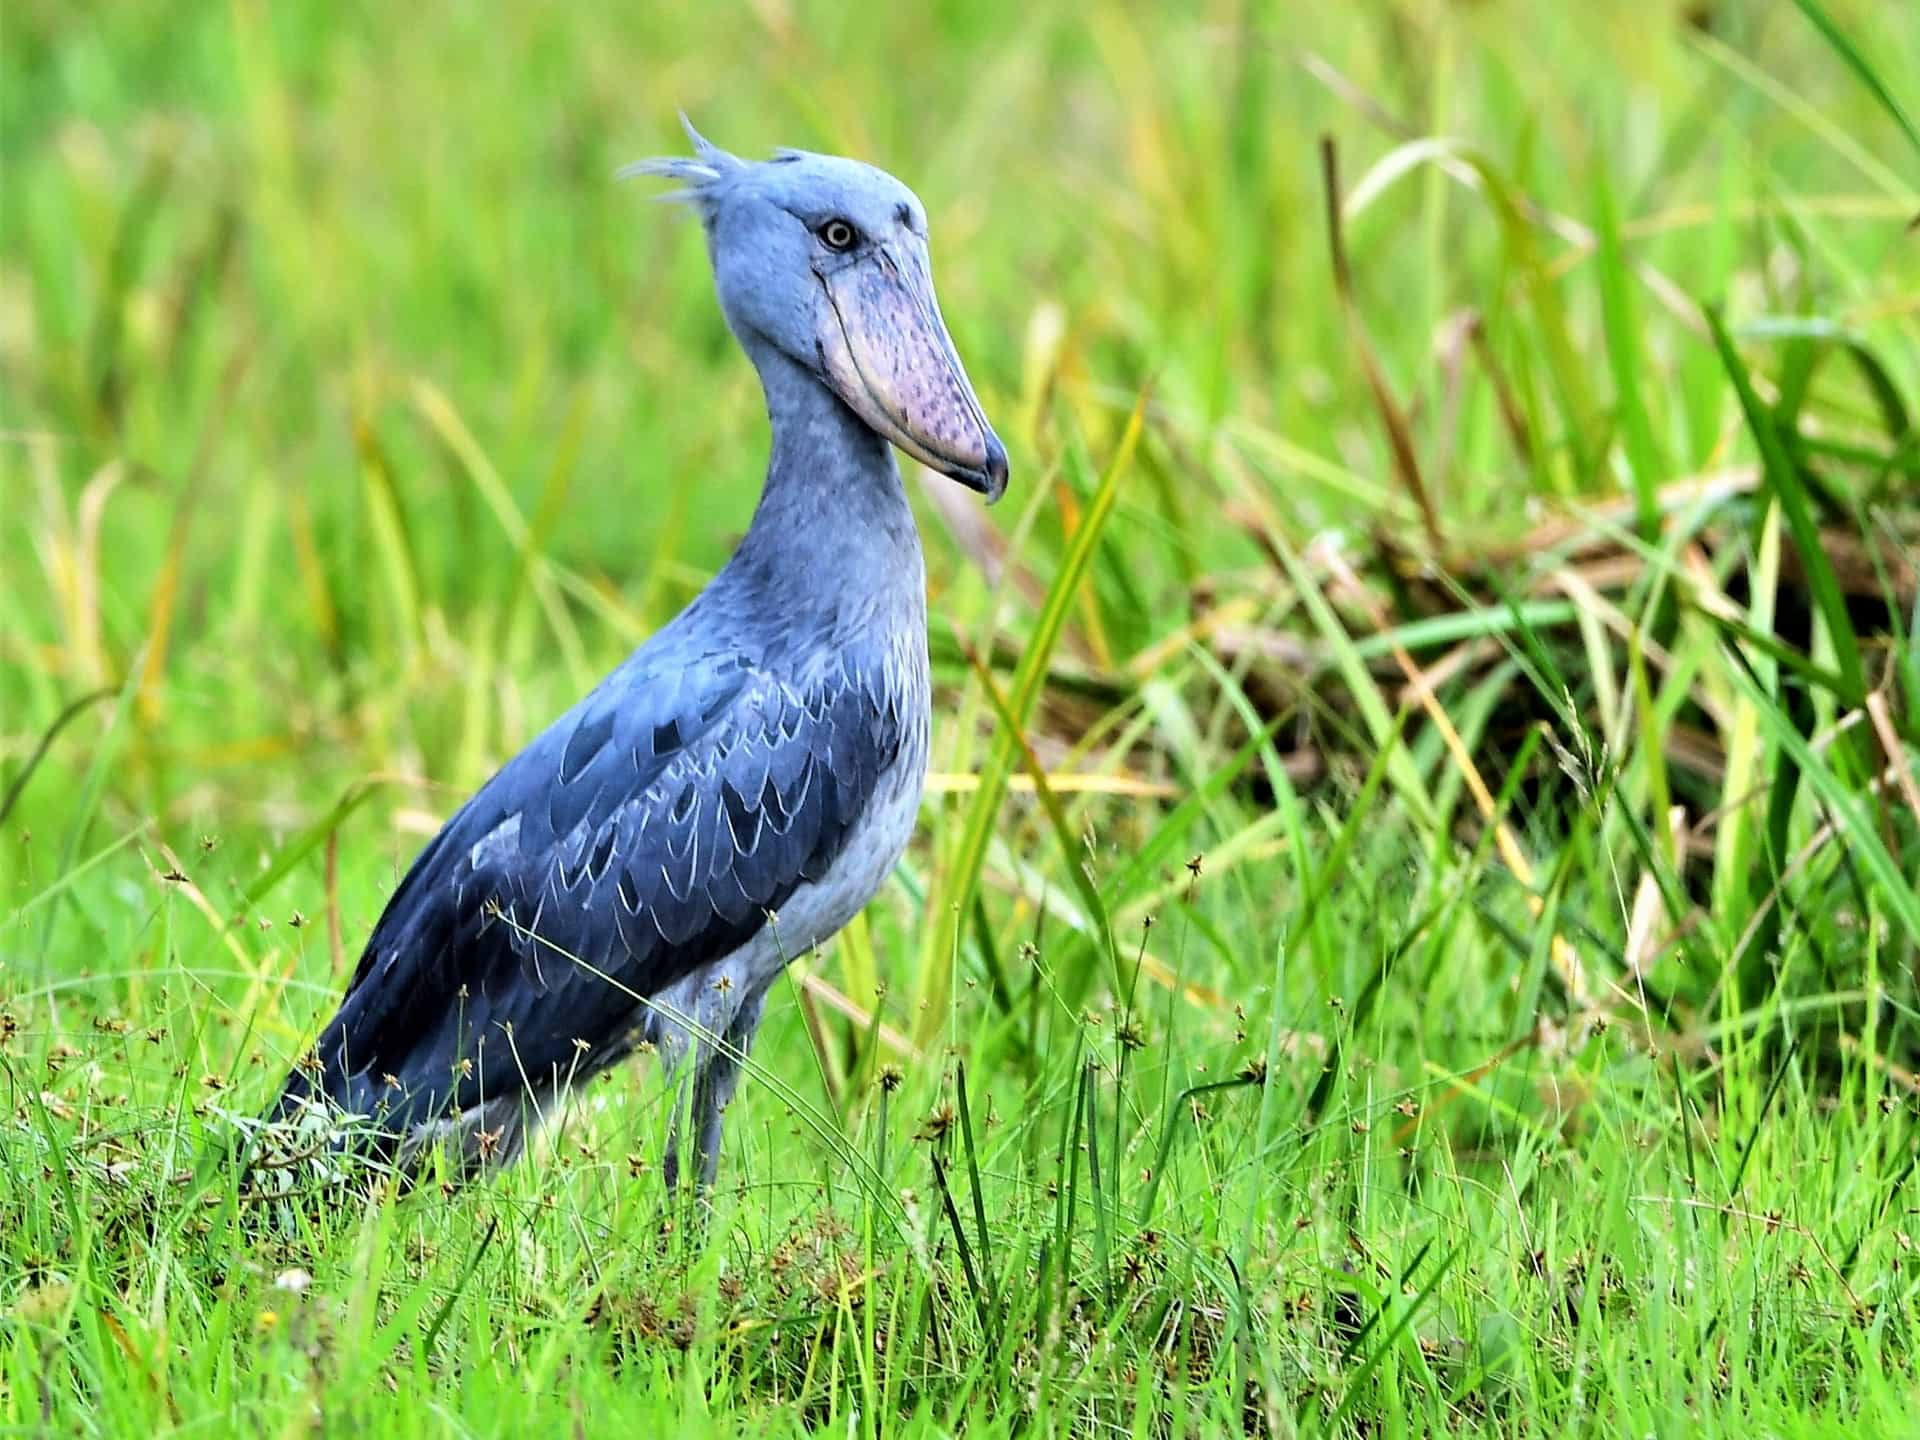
[[963, 872]]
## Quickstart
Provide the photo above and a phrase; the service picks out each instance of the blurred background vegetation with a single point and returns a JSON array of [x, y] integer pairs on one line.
[[1532, 665], [390, 399]]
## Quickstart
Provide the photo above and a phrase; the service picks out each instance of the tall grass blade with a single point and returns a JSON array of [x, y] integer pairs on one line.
[[981, 1304], [1627, 359], [308, 840], [93, 786], [1784, 481], [978, 1193], [1096, 1187], [969, 854], [1844, 47], [72, 711]]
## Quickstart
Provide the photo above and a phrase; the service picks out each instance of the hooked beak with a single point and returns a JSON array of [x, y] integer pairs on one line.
[[887, 354]]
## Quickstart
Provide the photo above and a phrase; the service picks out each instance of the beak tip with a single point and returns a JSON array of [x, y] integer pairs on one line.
[[995, 468]]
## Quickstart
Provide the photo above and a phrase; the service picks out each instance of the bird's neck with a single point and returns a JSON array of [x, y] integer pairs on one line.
[[834, 515]]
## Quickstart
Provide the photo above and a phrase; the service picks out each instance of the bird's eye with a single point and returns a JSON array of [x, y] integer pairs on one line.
[[838, 235]]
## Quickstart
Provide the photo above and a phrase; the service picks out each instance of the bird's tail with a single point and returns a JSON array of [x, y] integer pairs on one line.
[[334, 1124], [310, 1138]]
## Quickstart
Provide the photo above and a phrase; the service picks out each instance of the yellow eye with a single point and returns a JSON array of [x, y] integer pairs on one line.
[[838, 235]]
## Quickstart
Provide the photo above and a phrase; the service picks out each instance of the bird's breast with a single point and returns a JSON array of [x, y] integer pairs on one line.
[[877, 838]]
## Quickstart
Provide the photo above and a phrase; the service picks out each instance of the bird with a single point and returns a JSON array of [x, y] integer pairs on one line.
[[742, 784]]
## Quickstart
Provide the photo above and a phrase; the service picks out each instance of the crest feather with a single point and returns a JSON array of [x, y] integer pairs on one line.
[[709, 152], [700, 175]]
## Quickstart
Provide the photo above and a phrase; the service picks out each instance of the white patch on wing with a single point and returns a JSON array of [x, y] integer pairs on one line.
[[498, 845]]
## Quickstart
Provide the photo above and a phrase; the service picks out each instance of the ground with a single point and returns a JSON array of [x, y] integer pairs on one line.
[[1414, 927]]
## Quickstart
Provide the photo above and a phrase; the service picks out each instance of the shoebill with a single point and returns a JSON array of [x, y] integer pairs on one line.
[[743, 783]]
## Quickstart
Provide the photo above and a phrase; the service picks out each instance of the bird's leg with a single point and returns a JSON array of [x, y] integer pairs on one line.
[[718, 1078], [706, 1086], [684, 1211], [689, 1112], [711, 1090], [670, 1162], [680, 1061], [701, 1094]]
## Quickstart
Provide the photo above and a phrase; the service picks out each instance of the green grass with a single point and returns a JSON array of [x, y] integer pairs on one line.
[[1533, 1053]]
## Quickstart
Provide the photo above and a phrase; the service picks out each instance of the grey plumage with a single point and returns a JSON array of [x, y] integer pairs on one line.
[[737, 789]]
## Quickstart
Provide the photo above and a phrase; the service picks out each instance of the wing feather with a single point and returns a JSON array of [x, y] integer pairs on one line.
[[648, 832]]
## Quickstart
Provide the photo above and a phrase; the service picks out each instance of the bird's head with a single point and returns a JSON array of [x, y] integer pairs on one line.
[[826, 259]]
